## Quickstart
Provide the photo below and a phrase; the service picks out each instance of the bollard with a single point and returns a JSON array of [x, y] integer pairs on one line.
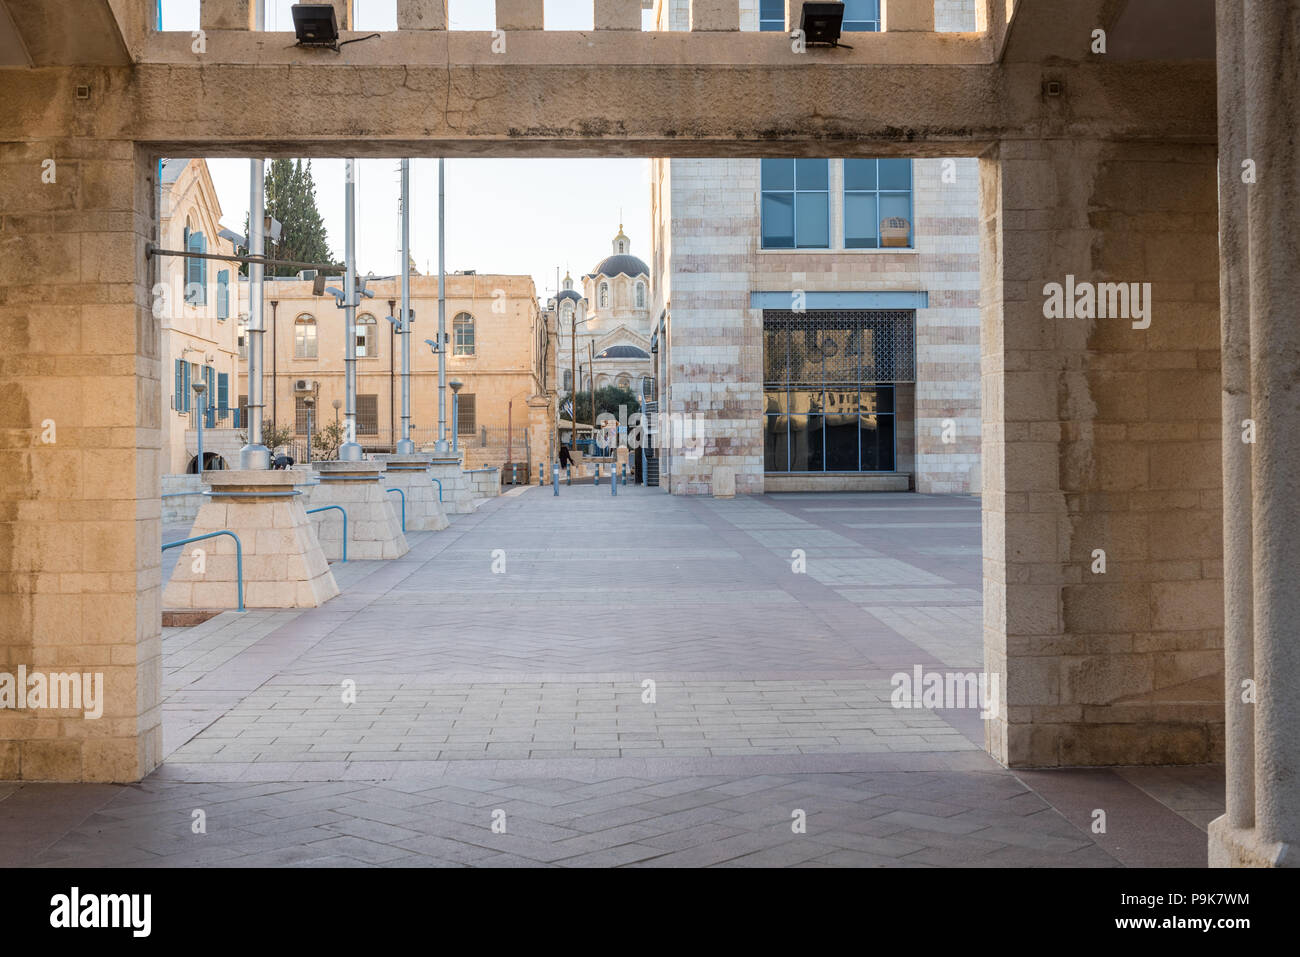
[[514, 473], [613, 481], [597, 475], [568, 474], [541, 474], [555, 480], [622, 471]]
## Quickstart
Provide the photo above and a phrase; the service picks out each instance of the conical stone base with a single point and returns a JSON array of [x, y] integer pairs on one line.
[[374, 529], [410, 473]]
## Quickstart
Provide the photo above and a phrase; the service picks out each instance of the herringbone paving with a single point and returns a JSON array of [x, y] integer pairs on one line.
[[593, 680]]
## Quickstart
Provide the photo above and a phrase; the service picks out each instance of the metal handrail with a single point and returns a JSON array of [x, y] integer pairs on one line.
[[239, 557], [403, 494], [197, 491], [439, 481], [326, 508]]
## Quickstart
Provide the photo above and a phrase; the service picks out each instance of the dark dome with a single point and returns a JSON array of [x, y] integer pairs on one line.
[[570, 294], [622, 352], [625, 264]]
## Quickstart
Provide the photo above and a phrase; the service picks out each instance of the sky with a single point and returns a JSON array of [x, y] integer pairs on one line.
[[513, 216]]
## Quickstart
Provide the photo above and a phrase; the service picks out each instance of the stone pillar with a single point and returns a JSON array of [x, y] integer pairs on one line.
[[715, 14], [1101, 442], [458, 493], [79, 455], [1258, 47], [284, 566], [422, 14], [618, 14], [374, 529], [410, 473], [520, 15], [915, 16], [227, 14]]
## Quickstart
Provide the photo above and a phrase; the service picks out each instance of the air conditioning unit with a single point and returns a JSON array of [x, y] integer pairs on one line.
[[307, 274], [304, 385]]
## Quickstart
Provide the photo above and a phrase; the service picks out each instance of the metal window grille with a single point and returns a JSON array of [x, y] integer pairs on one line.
[[833, 347], [367, 414]]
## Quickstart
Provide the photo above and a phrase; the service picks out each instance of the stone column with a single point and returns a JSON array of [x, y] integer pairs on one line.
[[284, 566], [916, 16], [79, 454], [374, 529], [715, 15], [1266, 37], [520, 15], [227, 14], [1101, 444], [410, 473], [422, 14], [617, 14]]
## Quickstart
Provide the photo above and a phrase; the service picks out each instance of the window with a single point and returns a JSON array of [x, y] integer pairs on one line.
[[223, 294], [861, 15], [621, 247], [829, 381], [796, 204], [304, 338], [243, 340], [181, 386], [223, 393], [771, 15], [367, 415], [463, 335], [877, 190], [300, 415], [367, 342], [568, 380], [466, 422], [196, 270], [243, 409], [640, 295], [624, 382], [602, 296]]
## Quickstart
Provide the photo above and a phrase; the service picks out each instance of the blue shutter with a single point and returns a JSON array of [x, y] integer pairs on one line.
[[178, 391], [223, 393], [223, 294], [209, 397], [193, 278], [185, 385], [203, 271]]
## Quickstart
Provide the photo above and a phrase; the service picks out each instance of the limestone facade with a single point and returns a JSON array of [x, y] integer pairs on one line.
[[197, 303], [713, 281], [496, 344]]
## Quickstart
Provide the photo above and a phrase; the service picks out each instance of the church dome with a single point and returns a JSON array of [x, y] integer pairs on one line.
[[621, 264]]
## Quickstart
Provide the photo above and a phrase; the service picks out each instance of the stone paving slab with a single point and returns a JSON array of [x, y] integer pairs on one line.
[[519, 690]]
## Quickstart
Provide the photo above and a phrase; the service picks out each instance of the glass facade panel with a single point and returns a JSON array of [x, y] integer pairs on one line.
[[778, 220], [829, 390], [861, 15], [796, 204], [771, 15]]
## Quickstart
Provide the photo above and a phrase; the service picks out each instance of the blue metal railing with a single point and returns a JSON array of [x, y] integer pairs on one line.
[[326, 508], [403, 494], [439, 484], [239, 557]]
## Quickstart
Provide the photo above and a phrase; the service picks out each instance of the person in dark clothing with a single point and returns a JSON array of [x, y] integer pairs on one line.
[[564, 456], [282, 462]]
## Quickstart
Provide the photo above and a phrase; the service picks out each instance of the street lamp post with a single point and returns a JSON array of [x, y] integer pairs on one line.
[[310, 405], [456, 386], [406, 446], [199, 389], [350, 451], [338, 404], [441, 445]]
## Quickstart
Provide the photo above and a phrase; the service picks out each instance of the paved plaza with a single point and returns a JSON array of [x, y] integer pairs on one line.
[[638, 680]]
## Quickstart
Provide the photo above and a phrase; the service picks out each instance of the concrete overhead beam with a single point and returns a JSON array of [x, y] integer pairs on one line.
[[422, 14]]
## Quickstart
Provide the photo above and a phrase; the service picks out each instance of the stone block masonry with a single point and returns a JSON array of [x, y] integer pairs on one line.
[[374, 528], [284, 566], [410, 473], [458, 491]]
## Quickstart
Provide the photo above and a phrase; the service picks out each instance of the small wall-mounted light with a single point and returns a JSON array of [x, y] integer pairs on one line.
[[1053, 88], [83, 91], [315, 25], [822, 22]]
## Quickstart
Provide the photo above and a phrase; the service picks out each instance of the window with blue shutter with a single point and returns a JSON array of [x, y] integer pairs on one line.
[[223, 393], [209, 397], [178, 387], [196, 270], [223, 294]]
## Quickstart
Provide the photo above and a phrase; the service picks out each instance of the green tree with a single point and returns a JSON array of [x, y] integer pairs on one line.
[[291, 198], [608, 399], [328, 440]]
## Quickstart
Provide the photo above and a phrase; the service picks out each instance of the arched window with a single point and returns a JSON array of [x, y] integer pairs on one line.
[[624, 382], [568, 380], [462, 335], [304, 337], [367, 341], [640, 295], [566, 312], [602, 297]]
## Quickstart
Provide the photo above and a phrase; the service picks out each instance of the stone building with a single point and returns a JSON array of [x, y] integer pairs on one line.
[[196, 304], [601, 333], [496, 345], [815, 346]]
